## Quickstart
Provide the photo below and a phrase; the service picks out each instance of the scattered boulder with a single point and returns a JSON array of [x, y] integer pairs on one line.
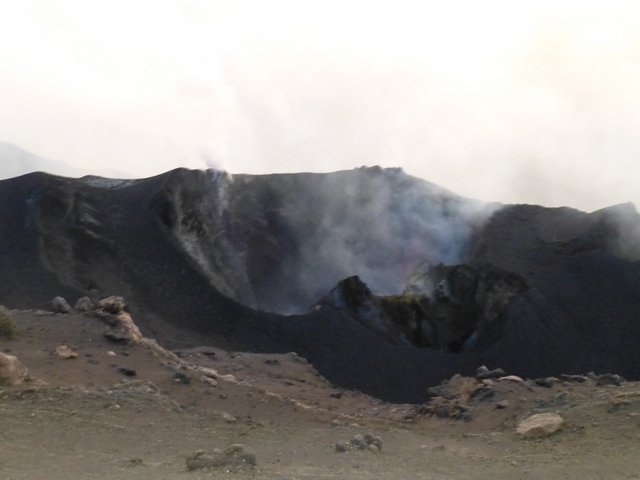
[[342, 447], [60, 305], [547, 382], [497, 373], [540, 425], [181, 377], [65, 352], [573, 378], [609, 379], [502, 405], [113, 305], [84, 304], [122, 329], [207, 372], [358, 442], [209, 380], [129, 372], [12, 371], [371, 440], [234, 457]]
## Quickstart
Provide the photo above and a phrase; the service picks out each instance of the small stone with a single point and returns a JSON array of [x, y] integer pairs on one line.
[[359, 442], [341, 447], [208, 372], [85, 304], [65, 352], [482, 370], [574, 378], [60, 305], [510, 378], [209, 380], [239, 456], [181, 377], [540, 425], [113, 305], [502, 405], [336, 395], [544, 382], [497, 373], [111, 353], [135, 462], [371, 440], [201, 459], [129, 372], [229, 418], [372, 448], [609, 379]]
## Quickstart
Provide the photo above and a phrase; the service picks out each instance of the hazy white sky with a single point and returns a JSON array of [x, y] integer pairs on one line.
[[535, 102]]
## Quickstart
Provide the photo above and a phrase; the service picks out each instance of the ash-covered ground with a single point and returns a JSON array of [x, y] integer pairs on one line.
[[130, 409]]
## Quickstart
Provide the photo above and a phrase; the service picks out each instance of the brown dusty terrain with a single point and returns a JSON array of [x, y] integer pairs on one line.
[[92, 421]]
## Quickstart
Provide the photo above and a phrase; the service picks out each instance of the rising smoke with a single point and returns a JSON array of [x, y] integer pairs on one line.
[[281, 242]]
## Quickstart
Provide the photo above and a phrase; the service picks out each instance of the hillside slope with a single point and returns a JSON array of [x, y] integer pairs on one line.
[[206, 258]]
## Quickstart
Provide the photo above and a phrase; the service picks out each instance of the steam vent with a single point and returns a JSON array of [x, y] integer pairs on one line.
[[384, 282]]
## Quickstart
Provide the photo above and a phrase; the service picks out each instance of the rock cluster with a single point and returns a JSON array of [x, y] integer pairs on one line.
[[366, 442], [234, 457]]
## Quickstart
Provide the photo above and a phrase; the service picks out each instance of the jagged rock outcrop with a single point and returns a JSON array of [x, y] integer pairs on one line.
[[448, 308], [121, 326]]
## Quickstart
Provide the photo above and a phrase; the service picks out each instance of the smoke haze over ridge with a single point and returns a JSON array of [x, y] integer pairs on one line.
[[534, 104]]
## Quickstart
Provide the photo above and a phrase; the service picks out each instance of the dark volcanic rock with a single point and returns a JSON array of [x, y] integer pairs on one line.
[[537, 291]]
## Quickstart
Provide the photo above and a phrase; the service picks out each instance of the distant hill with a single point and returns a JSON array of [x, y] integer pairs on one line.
[[203, 257], [14, 161]]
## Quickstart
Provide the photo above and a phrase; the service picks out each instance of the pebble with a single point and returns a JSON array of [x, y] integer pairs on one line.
[[229, 418]]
